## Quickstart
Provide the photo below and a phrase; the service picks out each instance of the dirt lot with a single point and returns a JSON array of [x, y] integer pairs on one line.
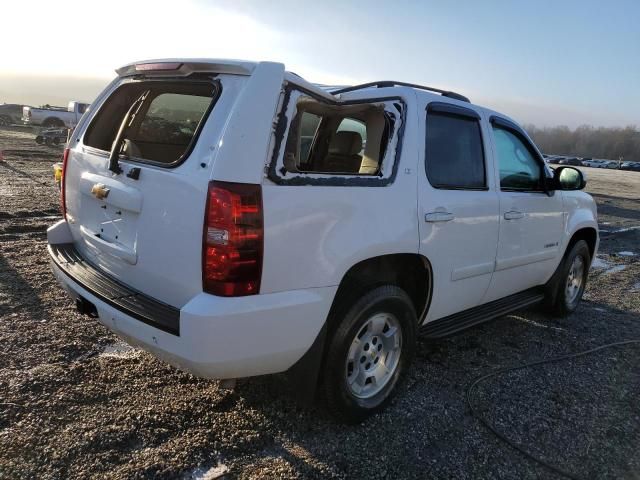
[[77, 403]]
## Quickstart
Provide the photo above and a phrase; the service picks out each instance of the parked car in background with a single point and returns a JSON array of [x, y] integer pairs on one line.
[[592, 163], [612, 164], [55, 116], [10, 114], [555, 159], [186, 200], [635, 166], [52, 136], [571, 161]]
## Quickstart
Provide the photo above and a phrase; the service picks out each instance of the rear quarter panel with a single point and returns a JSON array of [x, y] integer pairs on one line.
[[314, 234]]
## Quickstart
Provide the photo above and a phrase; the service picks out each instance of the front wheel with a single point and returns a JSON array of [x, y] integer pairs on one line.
[[565, 291], [369, 353]]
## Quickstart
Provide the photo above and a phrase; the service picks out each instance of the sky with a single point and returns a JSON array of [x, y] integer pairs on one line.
[[562, 62]]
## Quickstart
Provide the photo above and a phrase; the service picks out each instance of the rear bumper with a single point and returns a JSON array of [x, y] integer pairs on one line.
[[217, 337]]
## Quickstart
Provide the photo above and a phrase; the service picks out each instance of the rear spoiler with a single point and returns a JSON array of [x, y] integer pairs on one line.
[[183, 67]]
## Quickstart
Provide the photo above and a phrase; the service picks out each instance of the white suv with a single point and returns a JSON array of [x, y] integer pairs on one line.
[[236, 220]]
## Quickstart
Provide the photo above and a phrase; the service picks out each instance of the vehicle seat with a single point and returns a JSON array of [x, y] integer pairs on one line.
[[130, 149], [344, 151]]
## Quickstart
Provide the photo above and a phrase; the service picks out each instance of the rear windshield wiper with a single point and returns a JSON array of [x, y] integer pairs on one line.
[[128, 119]]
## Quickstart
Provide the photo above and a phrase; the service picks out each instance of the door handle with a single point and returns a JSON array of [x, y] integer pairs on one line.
[[438, 217], [513, 215]]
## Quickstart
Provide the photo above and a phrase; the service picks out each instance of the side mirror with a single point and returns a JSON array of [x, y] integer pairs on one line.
[[569, 178]]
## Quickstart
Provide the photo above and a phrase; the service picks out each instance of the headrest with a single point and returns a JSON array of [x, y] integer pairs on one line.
[[346, 143]]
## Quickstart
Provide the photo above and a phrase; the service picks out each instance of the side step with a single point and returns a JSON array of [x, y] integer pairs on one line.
[[473, 316]]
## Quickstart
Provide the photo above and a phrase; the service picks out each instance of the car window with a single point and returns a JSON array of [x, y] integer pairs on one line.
[[454, 154], [519, 169], [172, 118], [165, 126], [328, 140]]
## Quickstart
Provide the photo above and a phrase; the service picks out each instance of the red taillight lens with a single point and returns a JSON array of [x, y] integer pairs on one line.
[[233, 239], [63, 202]]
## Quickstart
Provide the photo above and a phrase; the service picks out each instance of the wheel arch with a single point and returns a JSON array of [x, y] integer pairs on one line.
[[410, 271], [53, 121], [589, 235]]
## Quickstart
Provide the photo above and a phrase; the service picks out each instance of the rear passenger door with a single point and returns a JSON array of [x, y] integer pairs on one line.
[[458, 207], [531, 220]]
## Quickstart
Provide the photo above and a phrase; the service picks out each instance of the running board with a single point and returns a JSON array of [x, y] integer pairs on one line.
[[473, 316]]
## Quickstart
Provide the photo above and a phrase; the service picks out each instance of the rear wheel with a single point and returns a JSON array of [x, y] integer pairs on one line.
[[565, 290], [5, 121], [369, 353]]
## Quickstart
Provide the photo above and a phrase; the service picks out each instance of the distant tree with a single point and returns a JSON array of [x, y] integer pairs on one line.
[[588, 141]]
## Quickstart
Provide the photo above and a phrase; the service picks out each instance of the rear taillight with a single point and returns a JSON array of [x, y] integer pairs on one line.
[[63, 203], [233, 239]]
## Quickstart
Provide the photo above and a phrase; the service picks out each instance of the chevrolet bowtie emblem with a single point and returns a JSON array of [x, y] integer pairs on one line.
[[100, 191]]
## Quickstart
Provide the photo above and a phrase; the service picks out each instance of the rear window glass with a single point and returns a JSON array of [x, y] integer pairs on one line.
[[162, 125]]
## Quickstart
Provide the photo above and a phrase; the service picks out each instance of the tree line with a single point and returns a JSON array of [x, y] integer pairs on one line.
[[609, 143]]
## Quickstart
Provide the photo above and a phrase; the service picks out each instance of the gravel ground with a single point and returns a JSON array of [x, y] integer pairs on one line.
[[77, 403]]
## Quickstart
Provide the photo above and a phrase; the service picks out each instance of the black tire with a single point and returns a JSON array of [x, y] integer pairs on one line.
[[39, 140], [5, 121], [557, 299], [385, 299]]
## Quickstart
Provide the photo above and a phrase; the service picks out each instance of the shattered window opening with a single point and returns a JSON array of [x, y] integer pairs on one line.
[[327, 141]]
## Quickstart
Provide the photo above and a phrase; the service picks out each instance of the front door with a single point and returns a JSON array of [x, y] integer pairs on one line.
[[458, 207], [531, 220]]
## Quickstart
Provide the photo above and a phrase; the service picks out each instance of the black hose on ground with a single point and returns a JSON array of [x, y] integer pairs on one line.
[[503, 437]]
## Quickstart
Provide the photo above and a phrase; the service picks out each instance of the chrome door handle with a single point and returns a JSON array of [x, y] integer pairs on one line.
[[513, 215], [438, 217]]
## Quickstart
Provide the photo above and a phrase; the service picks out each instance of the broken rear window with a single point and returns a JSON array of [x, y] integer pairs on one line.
[[163, 128], [337, 139]]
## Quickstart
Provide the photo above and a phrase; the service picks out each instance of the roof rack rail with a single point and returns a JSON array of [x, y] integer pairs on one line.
[[393, 83]]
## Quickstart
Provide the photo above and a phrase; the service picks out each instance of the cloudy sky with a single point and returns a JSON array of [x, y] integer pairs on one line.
[[544, 62]]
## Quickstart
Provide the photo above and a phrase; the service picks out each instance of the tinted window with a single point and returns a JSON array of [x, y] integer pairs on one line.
[[165, 124], [172, 118], [454, 155], [519, 169]]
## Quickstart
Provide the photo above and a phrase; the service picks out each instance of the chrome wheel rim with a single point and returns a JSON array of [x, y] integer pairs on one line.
[[374, 355], [575, 280]]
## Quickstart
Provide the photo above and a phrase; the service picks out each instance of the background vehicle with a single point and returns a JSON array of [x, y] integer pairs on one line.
[[55, 116], [635, 166], [10, 114], [52, 136], [571, 161], [194, 186], [593, 163], [612, 164]]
